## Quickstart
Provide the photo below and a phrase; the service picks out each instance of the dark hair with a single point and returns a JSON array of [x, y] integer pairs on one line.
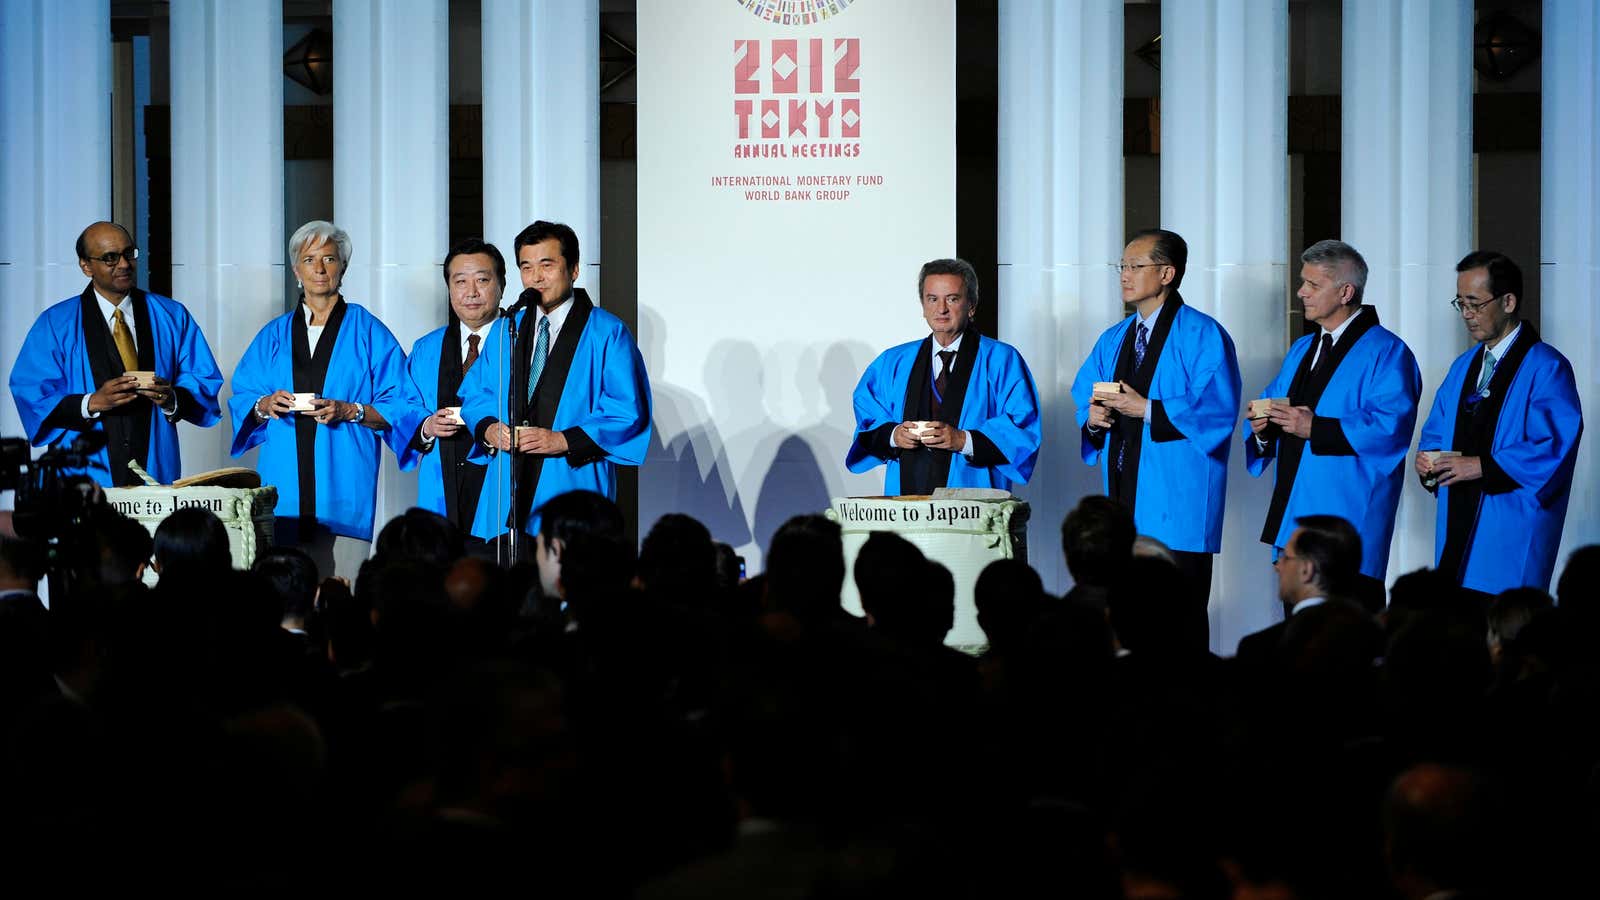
[[1009, 598], [125, 545], [1505, 277], [595, 557], [1170, 250], [805, 566], [1511, 611], [82, 244], [1097, 538], [677, 560], [192, 542], [1575, 589], [543, 231], [969, 275], [420, 535], [292, 575], [885, 565], [1333, 545], [472, 247], [22, 558]]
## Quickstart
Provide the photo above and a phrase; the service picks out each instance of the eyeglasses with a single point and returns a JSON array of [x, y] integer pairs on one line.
[[1465, 304], [110, 259], [1124, 268]]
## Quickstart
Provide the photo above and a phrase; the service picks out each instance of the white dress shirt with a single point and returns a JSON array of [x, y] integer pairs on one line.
[[107, 310], [1149, 322], [1306, 604], [1497, 351], [967, 447], [481, 332], [463, 332], [557, 317], [1316, 349]]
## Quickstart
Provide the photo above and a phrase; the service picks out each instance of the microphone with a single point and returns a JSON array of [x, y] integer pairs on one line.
[[527, 298]]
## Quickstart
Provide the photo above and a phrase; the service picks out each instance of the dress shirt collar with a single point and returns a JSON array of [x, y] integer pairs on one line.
[[954, 345], [1149, 322], [1339, 332], [1307, 603], [557, 316], [463, 332], [1498, 349], [107, 308]]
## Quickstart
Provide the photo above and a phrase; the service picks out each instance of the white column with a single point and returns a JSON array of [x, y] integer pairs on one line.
[[1569, 229], [1060, 228], [228, 252], [1224, 187], [55, 158], [1406, 194], [391, 173], [541, 125]]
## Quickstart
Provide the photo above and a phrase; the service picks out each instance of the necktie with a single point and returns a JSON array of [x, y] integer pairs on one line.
[[1324, 353], [472, 353], [123, 338], [941, 383], [541, 351], [1141, 343], [1488, 373]]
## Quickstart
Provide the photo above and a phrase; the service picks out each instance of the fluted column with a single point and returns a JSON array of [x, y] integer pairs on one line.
[[1406, 194], [1224, 186], [541, 124], [1569, 229], [391, 172], [1060, 227], [228, 252], [55, 158]]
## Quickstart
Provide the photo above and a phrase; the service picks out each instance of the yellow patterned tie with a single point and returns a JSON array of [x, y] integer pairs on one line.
[[124, 340]]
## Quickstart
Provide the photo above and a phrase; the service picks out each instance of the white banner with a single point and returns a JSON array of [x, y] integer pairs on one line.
[[796, 168]]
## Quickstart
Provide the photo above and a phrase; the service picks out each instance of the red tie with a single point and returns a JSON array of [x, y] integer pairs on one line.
[[472, 353]]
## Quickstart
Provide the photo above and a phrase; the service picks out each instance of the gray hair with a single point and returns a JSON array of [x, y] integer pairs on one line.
[[969, 275], [315, 232], [1341, 258]]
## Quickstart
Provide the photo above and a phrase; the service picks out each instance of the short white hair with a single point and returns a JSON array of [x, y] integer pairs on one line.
[[315, 232]]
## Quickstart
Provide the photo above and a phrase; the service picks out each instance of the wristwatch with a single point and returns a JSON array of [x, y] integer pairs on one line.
[[361, 413]]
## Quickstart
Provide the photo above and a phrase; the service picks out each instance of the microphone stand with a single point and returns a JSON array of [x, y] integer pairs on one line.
[[516, 411]]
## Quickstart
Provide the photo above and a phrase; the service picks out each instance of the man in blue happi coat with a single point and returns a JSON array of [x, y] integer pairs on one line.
[[73, 372], [447, 482], [1342, 410], [573, 383], [1162, 438], [1509, 406], [954, 409]]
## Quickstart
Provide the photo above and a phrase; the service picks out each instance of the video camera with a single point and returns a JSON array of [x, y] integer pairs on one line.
[[53, 507]]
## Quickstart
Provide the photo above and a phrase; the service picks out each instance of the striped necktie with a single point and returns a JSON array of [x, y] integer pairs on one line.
[[1489, 362], [541, 352]]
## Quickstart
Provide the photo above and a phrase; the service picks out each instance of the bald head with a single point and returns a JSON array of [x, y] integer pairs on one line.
[[100, 242], [101, 231]]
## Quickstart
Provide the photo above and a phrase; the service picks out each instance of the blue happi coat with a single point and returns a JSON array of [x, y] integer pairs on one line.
[[1001, 403], [1182, 477], [1371, 400], [53, 366], [606, 396], [366, 366], [1536, 446], [422, 366]]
